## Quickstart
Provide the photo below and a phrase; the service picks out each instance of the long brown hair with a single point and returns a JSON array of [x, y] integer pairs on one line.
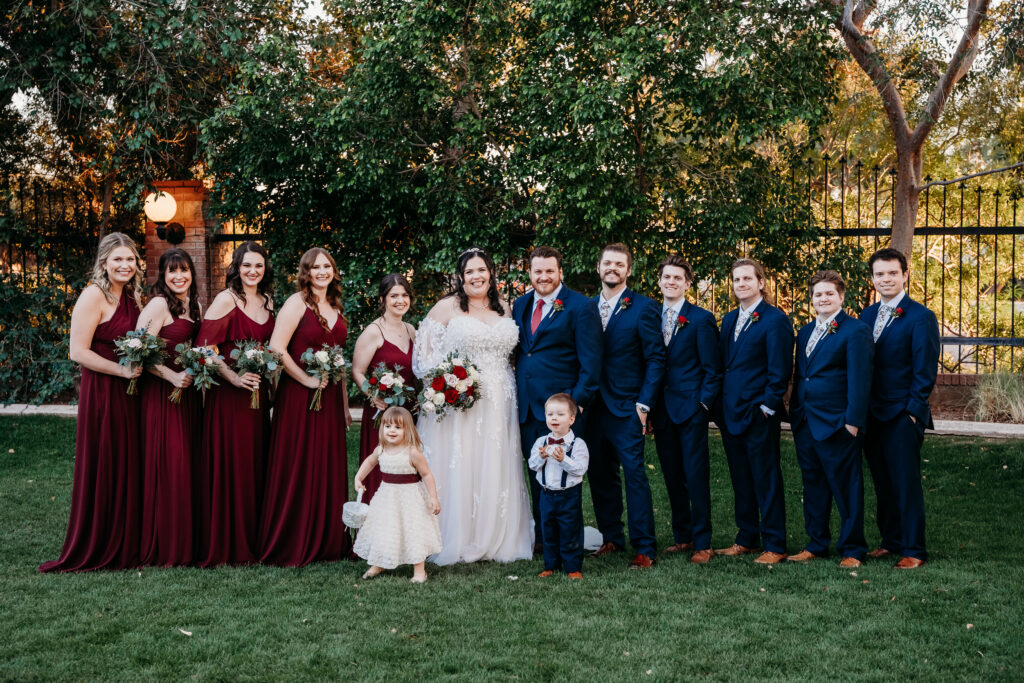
[[177, 259], [98, 276], [305, 285], [233, 277], [759, 273]]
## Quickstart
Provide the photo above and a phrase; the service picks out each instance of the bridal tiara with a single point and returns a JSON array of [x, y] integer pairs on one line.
[[472, 250]]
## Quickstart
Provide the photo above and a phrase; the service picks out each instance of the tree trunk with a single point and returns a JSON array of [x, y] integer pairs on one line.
[[906, 199], [108, 193]]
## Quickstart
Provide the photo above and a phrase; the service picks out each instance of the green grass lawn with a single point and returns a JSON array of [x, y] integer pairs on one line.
[[962, 617]]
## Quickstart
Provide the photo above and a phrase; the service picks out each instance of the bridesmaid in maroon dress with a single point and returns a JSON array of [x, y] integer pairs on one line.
[[307, 480], [103, 530], [388, 340], [170, 431], [232, 464]]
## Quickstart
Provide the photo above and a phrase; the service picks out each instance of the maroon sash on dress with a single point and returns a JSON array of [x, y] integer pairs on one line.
[[389, 478]]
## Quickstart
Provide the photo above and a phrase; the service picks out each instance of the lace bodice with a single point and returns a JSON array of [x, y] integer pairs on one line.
[[488, 346], [394, 461]]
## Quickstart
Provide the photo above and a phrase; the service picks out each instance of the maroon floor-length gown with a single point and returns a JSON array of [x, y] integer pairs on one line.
[[392, 356], [103, 529], [232, 464], [307, 477], [170, 439]]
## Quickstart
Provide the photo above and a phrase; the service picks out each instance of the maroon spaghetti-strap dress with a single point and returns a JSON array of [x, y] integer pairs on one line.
[[231, 468], [307, 477], [103, 529], [170, 440], [391, 356]]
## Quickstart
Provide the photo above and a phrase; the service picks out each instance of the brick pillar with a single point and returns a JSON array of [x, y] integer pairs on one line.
[[193, 203]]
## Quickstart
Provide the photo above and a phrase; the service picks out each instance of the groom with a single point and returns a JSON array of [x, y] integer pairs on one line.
[[559, 351]]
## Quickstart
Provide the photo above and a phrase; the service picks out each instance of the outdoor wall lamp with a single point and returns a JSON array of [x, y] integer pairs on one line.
[[160, 208]]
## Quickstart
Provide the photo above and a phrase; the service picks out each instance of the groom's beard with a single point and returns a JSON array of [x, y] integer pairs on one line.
[[546, 288]]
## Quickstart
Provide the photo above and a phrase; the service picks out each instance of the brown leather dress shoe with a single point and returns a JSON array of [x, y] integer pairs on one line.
[[679, 548], [736, 549], [768, 557], [546, 573], [850, 563], [803, 556], [909, 563], [879, 553], [641, 561], [607, 549], [702, 556], [575, 575]]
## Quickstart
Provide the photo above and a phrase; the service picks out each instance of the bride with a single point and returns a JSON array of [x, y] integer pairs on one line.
[[475, 455]]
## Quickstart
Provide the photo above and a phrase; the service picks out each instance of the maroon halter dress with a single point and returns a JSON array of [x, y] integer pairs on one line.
[[231, 471], [307, 478], [103, 529]]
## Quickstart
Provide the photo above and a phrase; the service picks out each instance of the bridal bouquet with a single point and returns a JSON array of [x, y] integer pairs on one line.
[[452, 385], [252, 355], [139, 348], [325, 363], [387, 384], [201, 363]]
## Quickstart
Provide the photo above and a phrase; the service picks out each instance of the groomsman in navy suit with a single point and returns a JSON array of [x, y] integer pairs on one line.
[[828, 410], [906, 338], [690, 388], [634, 361], [757, 354], [559, 352]]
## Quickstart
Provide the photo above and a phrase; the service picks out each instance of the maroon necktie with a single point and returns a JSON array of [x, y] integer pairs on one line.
[[537, 315]]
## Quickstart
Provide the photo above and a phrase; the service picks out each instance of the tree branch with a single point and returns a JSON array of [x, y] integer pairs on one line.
[[958, 67]]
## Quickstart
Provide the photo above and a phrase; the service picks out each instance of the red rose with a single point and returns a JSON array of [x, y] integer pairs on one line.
[[372, 380], [683, 320], [437, 384], [469, 391], [202, 361], [899, 311], [460, 372], [450, 395]]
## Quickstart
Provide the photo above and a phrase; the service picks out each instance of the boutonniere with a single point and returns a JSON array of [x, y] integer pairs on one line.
[[755, 317], [832, 327], [681, 322], [557, 306], [898, 313], [624, 303]]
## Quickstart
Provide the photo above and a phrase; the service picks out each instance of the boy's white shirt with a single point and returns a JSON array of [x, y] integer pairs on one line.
[[574, 464]]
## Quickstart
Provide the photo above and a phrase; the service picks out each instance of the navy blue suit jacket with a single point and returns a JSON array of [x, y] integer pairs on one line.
[[563, 356], [906, 362], [757, 366], [634, 354], [832, 387], [693, 367]]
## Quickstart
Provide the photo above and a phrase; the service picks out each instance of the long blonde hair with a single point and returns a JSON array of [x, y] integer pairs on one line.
[[98, 276], [397, 415]]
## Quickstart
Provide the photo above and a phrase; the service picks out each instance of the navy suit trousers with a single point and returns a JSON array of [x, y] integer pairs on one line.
[[561, 514], [753, 457], [832, 469], [893, 451], [683, 453], [615, 441]]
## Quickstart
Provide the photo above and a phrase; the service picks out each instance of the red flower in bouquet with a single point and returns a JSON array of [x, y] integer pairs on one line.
[[372, 380], [437, 384], [451, 395], [460, 372]]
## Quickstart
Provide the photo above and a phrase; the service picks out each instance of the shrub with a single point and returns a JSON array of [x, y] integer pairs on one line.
[[999, 397]]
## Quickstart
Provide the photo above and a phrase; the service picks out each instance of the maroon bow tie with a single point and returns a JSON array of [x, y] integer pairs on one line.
[[552, 442]]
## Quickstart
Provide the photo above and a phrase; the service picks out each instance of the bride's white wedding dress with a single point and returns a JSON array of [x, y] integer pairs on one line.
[[475, 455]]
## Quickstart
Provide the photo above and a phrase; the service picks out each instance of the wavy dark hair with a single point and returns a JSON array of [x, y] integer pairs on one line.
[[177, 259], [460, 281], [305, 285], [389, 282], [233, 278]]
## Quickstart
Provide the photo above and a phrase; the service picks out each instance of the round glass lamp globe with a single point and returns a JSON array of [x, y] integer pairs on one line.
[[160, 207]]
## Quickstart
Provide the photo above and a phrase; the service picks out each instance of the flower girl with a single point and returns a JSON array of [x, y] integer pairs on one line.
[[399, 527]]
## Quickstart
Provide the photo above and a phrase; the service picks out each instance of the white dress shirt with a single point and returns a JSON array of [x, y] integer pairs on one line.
[[548, 300], [820, 330], [574, 465], [744, 316]]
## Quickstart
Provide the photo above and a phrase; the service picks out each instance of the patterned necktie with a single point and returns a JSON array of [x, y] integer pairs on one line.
[[741, 320], [606, 311], [884, 311], [666, 326], [538, 313], [819, 331]]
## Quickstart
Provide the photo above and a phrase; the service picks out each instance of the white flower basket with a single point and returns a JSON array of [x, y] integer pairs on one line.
[[353, 513]]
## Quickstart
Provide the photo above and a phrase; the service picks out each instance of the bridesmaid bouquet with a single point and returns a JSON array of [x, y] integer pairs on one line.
[[252, 355], [201, 363], [452, 385], [387, 385], [139, 348], [326, 363]]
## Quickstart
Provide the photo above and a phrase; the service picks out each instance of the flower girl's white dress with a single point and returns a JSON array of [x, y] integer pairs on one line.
[[399, 528]]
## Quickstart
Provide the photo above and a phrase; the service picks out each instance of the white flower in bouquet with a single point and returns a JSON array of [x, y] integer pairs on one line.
[[387, 380], [438, 399], [450, 379], [428, 407], [461, 386], [322, 356], [457, 361], [474, 375], [339, 360], [399, 382], [135, 343], [252, 353], [428, 394]]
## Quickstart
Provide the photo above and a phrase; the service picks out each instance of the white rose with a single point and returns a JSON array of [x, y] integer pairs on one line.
[[387, 380], [322, 357], [438, 398], [428, 407], [134, 343], [450, 379], [461, 386], [457, 361], [339, 361], [197, 349], [399, 382], [474, 375], [428, 394], [252, 353]]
